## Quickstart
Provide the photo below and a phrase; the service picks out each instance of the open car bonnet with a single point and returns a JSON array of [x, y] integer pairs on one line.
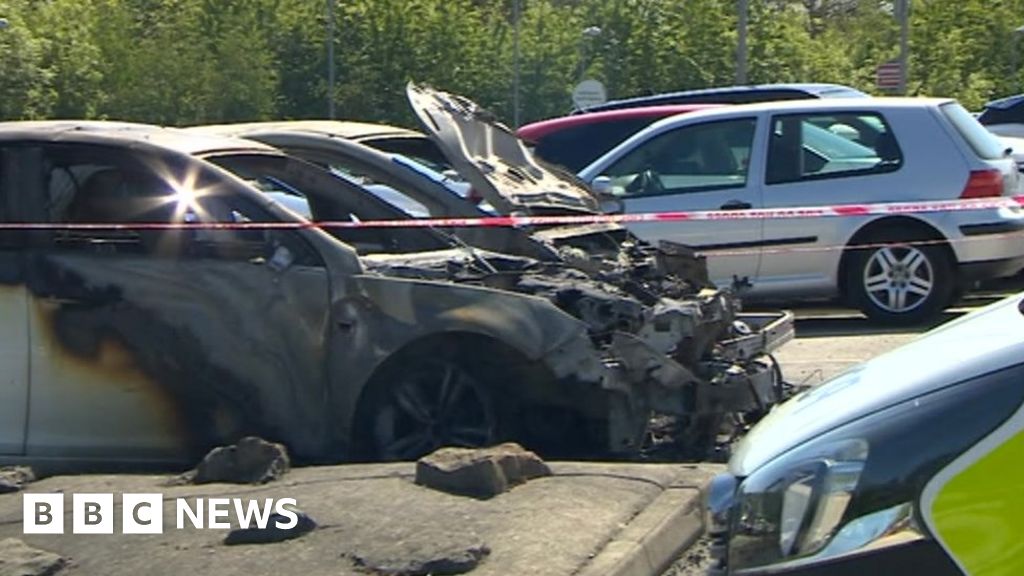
[[493, 159]]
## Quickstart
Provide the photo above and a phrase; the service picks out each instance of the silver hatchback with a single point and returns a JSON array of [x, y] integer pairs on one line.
[[896, 268]]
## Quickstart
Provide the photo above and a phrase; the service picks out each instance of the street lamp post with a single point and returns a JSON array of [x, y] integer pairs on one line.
[[741, 42], [903, 15], [589, 34], [1015, 52], [515, 62], [330, 59]]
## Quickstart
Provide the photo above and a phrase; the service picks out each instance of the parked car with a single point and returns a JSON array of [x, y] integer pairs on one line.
[[1005, 116], [898, 268], [734, 95], [907, 464], [152, 343], [576, 140], [669, 278]]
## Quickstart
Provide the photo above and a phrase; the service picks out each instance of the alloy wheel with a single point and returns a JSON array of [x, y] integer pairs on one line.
[[898, 279], [430, 406]]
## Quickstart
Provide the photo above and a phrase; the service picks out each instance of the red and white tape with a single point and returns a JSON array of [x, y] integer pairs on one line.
[[829, 211]]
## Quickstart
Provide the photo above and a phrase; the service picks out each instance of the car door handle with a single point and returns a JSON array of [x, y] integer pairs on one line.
[[735, 205]]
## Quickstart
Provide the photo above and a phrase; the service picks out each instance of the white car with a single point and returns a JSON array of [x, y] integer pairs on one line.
[[903, 268]]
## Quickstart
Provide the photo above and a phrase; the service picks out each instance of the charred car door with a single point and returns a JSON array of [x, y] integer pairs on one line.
[[14, 308], [157, 343]]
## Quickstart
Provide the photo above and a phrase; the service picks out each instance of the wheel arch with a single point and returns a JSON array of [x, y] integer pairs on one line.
[[519, 377], [917, 226]]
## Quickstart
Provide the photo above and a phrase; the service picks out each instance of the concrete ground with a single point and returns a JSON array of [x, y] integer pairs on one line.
[[589, 519]]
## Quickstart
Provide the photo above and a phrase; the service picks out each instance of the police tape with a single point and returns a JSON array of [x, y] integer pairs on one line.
[[825, 211]]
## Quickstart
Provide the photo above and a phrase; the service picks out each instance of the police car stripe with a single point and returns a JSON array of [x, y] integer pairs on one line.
[[975, 506]]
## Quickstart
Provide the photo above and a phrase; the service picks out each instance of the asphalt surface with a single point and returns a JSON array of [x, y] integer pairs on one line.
[[830, 339]]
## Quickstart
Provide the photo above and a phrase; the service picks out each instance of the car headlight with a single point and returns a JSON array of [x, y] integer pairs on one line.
[[792, 508], [857, 487]]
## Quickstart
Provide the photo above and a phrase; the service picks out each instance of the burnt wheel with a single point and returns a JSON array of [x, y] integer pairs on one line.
[[422, 407]]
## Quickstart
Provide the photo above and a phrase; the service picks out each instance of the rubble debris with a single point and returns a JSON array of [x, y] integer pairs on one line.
[[14, 478], [440, 555], [251, 460], [271, 533], [480, 473], [20, 559]]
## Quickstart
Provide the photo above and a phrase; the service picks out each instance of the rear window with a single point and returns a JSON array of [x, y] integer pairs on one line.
[[984, 143], [576, 147]]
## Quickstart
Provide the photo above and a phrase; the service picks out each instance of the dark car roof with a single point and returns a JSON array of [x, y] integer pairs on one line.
[[1004, 111], [536, 130], [735, 95]]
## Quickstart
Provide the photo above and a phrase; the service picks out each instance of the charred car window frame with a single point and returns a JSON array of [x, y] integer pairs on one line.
[[254, 245], [332, 198]]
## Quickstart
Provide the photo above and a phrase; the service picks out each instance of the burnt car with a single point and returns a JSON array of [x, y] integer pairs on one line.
[[721, 359], [172, 306]]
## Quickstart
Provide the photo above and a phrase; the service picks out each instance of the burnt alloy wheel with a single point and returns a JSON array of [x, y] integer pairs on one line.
[[426, 406], [899, 280]]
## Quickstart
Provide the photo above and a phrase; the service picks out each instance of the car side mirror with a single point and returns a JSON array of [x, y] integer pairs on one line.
[[602, 186], [609, 202]]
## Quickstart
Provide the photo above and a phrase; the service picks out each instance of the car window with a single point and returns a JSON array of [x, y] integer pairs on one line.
[[100, 185], [577, 146], [815, 146], [420, 148], [694, 158], [326, 196], [984, 143]]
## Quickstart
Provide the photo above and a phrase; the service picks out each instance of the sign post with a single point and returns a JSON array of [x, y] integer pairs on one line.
[[589, 93], [889, 76]]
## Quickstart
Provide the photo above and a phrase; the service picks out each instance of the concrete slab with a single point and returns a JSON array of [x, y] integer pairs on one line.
[[588, 518]]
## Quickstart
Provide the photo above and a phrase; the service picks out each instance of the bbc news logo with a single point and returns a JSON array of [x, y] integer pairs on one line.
[[144, 513]]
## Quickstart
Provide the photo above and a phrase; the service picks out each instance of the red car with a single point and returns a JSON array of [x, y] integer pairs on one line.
[[576, 141]]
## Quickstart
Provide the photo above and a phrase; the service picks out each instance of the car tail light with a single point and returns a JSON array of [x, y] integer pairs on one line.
[[983, 184]]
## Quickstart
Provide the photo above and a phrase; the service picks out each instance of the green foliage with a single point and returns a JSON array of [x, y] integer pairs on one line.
[[192, 61]]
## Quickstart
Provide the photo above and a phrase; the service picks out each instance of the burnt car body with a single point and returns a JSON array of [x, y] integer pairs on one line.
[[151, 333], [691, 338], [618, 265]]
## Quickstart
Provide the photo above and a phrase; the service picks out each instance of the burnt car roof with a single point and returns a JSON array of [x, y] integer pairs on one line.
[[342, 128], [104, 132]]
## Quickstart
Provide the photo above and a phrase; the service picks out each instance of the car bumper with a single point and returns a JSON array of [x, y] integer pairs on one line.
[[989, 269], [988, 246], [744, 380]]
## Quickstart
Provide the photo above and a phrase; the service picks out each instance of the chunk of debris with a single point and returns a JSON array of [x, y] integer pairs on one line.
[[479, 472], [272, 533], [251, 461], [20, 559], [436, 557], [14, 478]]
